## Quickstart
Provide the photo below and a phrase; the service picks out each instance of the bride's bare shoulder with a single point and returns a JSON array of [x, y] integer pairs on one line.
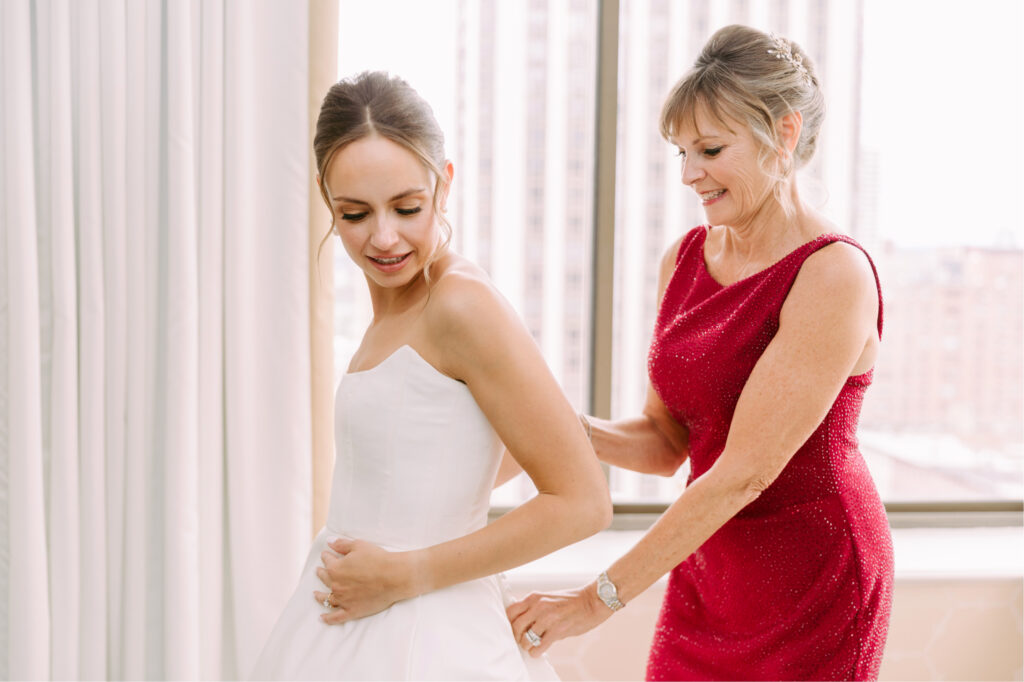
[[460, 284], [465, 309]]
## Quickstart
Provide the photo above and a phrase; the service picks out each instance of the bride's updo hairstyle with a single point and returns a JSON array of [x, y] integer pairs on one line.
[[756, 78], [375, 103]]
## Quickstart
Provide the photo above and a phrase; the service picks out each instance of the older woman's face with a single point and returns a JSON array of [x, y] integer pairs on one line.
[[720, 163]]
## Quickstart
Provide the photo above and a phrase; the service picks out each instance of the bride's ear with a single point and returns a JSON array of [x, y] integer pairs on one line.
[[449, 172]]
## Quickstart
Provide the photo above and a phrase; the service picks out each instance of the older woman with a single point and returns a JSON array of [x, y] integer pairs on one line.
[[779, 550]]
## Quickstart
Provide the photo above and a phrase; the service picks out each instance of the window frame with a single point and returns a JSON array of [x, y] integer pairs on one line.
[[633, 516]]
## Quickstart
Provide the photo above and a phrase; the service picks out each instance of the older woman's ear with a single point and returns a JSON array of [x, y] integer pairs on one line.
[[789, 128]]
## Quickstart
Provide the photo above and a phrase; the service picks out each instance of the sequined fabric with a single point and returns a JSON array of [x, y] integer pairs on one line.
[[798, 585]]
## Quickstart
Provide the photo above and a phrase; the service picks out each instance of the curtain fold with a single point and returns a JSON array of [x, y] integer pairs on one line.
[[323, 73], [157, 332]]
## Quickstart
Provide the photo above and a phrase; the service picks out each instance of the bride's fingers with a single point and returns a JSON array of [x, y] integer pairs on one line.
[[325, 578], [337, 616], [326, 599], [342, 545]]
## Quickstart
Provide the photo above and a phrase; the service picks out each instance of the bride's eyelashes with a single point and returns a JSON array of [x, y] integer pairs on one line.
[[356, 217]]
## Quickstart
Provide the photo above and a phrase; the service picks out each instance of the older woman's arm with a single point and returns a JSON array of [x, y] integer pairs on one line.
[[654, 442], [827, 333]]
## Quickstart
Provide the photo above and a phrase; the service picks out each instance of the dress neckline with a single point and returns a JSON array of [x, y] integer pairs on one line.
[[769, 268], [387, 360]]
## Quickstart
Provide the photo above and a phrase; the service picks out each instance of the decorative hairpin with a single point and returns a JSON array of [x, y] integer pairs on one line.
[[783, 51]]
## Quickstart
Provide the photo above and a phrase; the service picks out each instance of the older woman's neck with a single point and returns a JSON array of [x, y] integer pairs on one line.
[[776, 229]]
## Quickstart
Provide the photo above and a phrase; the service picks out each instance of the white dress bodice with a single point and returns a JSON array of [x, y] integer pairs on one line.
[[416, 457]]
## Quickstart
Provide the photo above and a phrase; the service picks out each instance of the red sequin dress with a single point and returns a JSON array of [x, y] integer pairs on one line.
[[798, 585]]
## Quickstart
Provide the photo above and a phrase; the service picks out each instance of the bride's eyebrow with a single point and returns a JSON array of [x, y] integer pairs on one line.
[[400, 195]]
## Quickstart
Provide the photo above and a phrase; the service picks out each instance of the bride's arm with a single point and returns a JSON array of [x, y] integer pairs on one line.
[[476, 337], [508, 469]]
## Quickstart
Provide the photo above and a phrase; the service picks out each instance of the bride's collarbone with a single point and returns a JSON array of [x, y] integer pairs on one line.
[[381, 341]]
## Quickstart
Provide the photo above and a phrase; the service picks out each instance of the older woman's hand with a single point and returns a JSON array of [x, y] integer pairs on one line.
[[362, 579], [555, 615]]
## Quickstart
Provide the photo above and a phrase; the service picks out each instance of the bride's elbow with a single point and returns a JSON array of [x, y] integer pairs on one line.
[[604, 512], [594, 511]]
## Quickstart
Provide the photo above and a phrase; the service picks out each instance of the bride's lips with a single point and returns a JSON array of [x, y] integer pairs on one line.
[[389, 263]]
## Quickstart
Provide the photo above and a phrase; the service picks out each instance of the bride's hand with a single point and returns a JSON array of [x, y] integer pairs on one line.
[[556, 615], [362, 579]]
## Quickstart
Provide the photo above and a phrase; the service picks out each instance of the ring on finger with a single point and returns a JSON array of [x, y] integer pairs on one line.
[[532, 637], [327, 601]]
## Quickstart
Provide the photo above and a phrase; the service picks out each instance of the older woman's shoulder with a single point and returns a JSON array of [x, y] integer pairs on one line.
[[840, 272]]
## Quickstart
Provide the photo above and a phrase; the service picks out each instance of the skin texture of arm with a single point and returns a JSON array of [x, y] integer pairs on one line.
[[827, 333], [473, 335]]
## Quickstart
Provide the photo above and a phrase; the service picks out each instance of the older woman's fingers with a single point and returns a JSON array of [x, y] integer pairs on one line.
[[522, 622], [545, 644], [516, 609], [522, 613], [533, 637]]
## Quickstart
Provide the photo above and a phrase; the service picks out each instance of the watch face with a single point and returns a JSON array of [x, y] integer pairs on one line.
[[606, 591]]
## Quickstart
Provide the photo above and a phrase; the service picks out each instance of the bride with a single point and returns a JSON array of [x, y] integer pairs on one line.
[[445, 380]]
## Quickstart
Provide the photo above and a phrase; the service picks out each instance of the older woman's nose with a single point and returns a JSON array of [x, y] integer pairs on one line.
[[691, 172]]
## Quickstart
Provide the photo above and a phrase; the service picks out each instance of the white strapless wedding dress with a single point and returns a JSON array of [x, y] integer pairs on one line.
[[416, 461]]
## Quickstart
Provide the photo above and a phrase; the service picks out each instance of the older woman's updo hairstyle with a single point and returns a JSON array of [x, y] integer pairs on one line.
[[755, 78], [375, 103]]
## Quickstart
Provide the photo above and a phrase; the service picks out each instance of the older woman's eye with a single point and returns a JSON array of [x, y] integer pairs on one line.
[[408, 211], [712, 151], [353, 217], [680, 152]]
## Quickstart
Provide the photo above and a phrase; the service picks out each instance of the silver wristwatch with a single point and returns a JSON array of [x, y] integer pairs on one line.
[[608, 593]]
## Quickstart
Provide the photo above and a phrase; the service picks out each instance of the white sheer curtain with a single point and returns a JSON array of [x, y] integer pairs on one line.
[[155, 392]]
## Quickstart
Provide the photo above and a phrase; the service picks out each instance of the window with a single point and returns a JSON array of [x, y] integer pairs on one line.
[[897, 166], [919, 160]]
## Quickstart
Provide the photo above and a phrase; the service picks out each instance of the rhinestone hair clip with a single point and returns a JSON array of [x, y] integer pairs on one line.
[[782, 50]]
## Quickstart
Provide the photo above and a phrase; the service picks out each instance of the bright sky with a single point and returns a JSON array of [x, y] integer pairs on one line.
[[943, 85], [943, 91]]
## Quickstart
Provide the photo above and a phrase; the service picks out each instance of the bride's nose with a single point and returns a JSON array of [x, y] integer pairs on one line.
[[384, 235]]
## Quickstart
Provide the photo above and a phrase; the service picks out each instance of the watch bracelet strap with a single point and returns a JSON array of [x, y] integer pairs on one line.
[[614, 603]]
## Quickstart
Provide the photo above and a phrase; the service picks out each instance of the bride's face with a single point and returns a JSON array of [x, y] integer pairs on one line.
[[382, 197]]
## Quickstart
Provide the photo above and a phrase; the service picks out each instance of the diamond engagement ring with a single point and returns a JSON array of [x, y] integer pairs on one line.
[[327, 602], [533, 637]]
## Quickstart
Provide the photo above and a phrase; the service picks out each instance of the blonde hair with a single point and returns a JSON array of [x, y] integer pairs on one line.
[[755, 78], [376, 103]]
